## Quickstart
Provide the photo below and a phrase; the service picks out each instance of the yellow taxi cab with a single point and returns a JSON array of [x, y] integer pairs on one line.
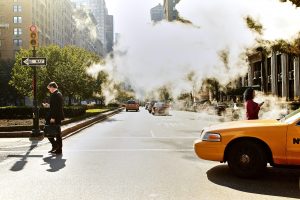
[[248, 146]]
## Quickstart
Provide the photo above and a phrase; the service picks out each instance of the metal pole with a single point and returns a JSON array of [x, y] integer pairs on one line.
[[36, 127]]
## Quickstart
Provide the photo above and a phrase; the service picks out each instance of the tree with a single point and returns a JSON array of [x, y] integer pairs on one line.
[[295, 2], [164, 93], [123, 92], [8, 95], [67, 66]]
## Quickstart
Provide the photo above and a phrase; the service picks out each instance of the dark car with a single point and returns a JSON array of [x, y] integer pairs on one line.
[[220, 108], [160, 108], [150, 106]]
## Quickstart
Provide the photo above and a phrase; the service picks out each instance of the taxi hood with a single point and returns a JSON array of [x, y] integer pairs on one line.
[[244, 124]]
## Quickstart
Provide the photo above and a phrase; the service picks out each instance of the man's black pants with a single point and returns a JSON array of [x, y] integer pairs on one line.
[[57, 141]]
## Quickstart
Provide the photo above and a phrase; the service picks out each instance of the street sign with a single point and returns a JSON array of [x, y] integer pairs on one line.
[[34, 61]]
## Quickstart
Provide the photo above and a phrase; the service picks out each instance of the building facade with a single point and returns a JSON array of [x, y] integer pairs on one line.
[[53, 19], [104, 21], [170, 11], [86, 34], [277, 74], [157, 13], [109, 32]]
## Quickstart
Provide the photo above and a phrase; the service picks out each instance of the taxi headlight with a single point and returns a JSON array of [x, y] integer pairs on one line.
[[211, 137]]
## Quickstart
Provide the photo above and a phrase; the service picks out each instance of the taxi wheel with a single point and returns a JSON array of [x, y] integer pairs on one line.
[[247, 159]]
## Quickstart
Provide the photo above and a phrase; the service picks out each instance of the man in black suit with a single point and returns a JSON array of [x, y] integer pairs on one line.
[[55, 116]]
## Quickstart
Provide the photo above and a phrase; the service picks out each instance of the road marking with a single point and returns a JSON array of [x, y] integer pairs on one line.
[[104, 150], [142, 137], [152, 134]]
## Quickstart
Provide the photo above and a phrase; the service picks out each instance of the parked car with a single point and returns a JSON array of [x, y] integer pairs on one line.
[[220, 108], [147, 105], [249, 145], [160, 108], [150, 106], [132, 105]]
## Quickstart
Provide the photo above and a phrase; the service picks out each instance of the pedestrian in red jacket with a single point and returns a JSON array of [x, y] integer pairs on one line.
[[252, 108]]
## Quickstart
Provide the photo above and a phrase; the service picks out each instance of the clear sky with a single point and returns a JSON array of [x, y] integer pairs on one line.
[[130, 11]]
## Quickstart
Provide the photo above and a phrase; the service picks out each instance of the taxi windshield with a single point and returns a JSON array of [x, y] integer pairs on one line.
[[293, 116]]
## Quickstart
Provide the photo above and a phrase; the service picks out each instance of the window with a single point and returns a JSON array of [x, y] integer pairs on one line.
[[17, 43], [17, 31], [16, 0], [17, 8], [17, 20], [0, 43]]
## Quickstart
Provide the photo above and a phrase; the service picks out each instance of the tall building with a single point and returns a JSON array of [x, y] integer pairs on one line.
[[117, 38], [109, 32], [104, 21], [86, 32], [53, 19], [169, 9], [157, 13]]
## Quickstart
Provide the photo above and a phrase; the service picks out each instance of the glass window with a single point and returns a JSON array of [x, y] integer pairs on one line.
[[0, 43], [17, 8], [17, 31], [18, 42], [17, 20]]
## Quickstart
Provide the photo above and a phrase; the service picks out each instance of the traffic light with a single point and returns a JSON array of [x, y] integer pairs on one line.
[[33, 36]]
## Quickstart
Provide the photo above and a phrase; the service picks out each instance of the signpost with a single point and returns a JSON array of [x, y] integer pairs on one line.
[[34, 62]]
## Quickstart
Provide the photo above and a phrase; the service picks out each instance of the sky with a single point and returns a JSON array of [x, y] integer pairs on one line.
[[153, 55], [128, 12]]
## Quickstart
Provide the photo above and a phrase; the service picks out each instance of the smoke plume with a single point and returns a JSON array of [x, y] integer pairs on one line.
[[214, 45]]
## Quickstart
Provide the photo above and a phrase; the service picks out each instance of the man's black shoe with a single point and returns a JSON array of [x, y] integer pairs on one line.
[[53, 150], [57, 151]]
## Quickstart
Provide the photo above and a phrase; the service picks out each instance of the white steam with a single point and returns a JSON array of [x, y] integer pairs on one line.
[[84, 22], [154, 55]]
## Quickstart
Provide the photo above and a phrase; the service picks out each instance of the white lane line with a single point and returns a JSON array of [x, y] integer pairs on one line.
[[141, 137], [103, 150], [152, 134]]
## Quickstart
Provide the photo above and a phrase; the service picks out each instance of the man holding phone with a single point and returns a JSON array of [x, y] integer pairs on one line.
[[55, 116]]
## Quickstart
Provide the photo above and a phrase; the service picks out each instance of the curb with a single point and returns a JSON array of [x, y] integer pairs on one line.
[[67, 129]]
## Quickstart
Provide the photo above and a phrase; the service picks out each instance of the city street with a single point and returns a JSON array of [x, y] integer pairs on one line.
[[133, 155]]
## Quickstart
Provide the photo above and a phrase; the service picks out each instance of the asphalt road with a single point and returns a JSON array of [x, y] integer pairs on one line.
[[134, 156]]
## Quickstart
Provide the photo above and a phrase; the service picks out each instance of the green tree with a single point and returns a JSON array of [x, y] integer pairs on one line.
[[164, 93], [67, 66]]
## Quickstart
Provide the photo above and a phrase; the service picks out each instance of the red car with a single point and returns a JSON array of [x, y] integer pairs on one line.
[[132, 105]]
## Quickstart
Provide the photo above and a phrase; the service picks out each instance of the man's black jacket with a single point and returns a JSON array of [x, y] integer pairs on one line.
[[56, 107]]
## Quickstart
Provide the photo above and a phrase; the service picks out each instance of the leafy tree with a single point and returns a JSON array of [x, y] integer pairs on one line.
[[67, 66], [295, 2], [164, 93], [123, 92], [8, 95]]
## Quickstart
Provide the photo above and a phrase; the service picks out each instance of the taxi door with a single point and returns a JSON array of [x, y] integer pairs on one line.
[[293, 144]]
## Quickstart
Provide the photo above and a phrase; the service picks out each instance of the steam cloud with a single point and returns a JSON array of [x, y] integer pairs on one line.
[[152, 55]]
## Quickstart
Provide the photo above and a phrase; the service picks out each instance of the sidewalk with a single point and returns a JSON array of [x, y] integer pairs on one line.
[[20, 139]]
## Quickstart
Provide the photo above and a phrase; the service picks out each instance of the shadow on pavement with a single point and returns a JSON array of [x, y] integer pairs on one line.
[[19, 165], [56, 163], [276, 182], [112, 120]]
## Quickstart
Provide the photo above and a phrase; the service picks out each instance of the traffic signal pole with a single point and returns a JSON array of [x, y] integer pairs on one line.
[[36, 126], [34, 42]]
